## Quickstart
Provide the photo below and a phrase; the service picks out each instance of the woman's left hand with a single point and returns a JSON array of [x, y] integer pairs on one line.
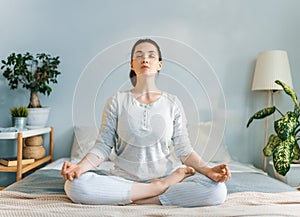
[[220, 173]]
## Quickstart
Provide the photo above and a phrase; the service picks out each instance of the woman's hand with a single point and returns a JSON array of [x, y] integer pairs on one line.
[[220, 173], [70, 171]]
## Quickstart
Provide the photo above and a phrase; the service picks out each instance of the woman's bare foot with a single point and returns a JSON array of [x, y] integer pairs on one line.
[[177, 176], [158, 186]]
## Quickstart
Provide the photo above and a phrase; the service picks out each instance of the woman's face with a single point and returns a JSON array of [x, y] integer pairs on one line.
[[145, 59]]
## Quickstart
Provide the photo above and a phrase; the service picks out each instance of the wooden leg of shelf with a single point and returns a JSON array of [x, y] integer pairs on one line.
[[19, 156], [52, 143]]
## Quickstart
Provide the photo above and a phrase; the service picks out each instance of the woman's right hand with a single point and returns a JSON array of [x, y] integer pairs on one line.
[[70, 171]]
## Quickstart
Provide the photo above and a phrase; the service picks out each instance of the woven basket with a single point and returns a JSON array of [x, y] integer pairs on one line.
[[35, 152], [34, 141]]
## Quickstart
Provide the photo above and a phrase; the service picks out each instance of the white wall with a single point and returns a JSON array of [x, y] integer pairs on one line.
[[227, 33]]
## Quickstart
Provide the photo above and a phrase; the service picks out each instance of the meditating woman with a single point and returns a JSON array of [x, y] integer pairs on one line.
[[155, 162]]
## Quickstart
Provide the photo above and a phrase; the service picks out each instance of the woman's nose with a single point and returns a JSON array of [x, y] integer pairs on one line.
[[145, 59]]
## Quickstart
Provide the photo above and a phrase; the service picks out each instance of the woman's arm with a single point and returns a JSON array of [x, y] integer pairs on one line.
[[71, 170], [220, 173], [103, 145]]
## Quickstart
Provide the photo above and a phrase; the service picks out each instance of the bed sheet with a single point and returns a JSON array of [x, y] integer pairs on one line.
[[244, 178]]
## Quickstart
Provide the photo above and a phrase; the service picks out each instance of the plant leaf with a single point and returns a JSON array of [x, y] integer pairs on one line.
[[285, 126], [262, 114], [272, 144], [283, 154], [288, 90]]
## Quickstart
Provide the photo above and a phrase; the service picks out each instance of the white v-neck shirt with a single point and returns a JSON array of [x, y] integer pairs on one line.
[[147, 139]]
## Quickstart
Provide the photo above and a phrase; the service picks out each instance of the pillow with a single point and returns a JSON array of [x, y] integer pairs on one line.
[[84, 140], [208, 141]]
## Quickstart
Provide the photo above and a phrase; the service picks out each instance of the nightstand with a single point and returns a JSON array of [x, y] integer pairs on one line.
[[292, 178], [20, 137]]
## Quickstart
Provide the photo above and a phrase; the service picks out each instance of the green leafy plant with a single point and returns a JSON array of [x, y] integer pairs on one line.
[[33, 73], [19, 111], [283, 145]]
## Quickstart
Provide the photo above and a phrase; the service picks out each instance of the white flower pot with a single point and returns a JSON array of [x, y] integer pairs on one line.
[[38, 117], [292, 177]]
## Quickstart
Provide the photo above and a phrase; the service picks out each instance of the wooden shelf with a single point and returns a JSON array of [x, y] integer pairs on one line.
[[27, 167], [20, 136]]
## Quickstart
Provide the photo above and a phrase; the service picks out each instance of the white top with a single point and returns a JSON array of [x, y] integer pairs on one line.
[[143, 136]]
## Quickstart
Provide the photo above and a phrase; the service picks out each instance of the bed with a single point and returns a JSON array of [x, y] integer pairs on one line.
[[250, 193]]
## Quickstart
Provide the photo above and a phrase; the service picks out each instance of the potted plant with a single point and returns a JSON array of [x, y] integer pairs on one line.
[[19, 116], [34, 74], [283, 145]]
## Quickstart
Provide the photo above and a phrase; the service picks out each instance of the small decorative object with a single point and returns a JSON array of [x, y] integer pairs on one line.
[[33, 148], [284, 144], [34, 74], [12, 161], [19, 116]]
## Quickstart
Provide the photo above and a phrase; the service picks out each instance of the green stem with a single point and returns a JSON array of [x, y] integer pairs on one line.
[[279, 111]]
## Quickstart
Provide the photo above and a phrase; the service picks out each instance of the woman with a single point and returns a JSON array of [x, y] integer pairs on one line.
[[142, 126]]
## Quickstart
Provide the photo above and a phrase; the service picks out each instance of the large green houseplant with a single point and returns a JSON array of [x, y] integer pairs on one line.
[[283, 145], [34, 73]]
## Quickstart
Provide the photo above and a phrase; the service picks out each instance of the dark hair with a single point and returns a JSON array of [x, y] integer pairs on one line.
[[132, 73]]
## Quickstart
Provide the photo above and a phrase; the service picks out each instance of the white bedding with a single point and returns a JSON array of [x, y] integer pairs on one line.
[[243, 201], [16, 204], [234, 166]]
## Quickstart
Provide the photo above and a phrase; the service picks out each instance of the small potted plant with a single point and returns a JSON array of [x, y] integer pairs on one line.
[[283, 144], [19, 116], [34, 74]]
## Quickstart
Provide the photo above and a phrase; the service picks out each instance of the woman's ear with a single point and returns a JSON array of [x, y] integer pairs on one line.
[[131, 65], [160, 65]]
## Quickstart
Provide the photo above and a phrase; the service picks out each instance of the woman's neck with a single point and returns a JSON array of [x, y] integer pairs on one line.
[[145, 90], [145, 84]]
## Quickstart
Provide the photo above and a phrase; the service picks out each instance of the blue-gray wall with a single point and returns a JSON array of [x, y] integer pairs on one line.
[[228, 33]]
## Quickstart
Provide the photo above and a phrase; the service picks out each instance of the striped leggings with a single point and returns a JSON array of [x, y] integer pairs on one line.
[[194, 191]]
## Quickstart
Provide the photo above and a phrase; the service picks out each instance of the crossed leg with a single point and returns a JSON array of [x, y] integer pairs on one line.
[[142, 193]]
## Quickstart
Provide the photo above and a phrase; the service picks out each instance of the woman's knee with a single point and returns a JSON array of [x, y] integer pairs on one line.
[[77, 190], [218, 194], [215, 193]]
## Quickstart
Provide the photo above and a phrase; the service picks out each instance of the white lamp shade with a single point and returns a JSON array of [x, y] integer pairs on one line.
[[271, 66]]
